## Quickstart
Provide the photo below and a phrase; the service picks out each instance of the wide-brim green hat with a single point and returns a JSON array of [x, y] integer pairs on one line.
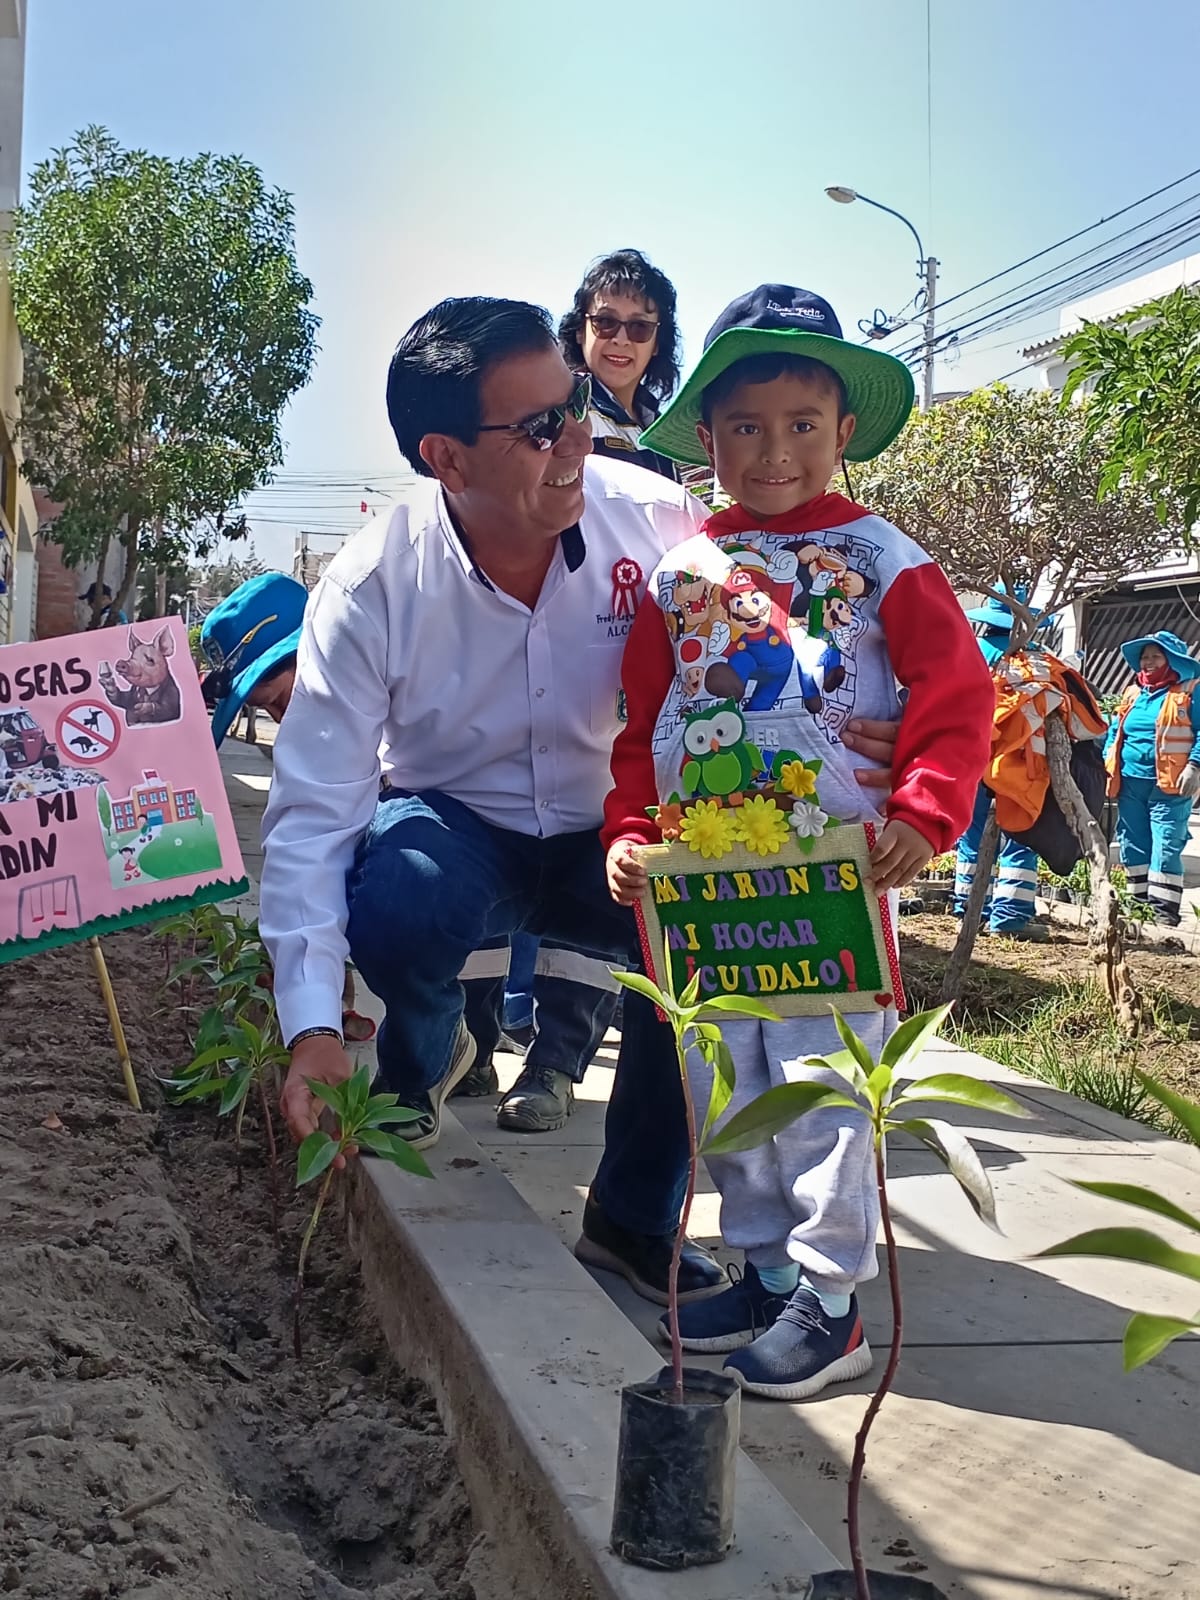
[[777, 319]]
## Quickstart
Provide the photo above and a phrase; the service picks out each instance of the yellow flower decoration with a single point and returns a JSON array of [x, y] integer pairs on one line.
[[708, 828], [762, 827], [797, 779]]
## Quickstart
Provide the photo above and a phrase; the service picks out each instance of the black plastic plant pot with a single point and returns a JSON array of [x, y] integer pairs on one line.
[[884, 1586], [675, 1471]]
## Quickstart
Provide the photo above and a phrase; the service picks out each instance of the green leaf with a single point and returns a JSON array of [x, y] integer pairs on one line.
[[1147, 1335], [203, 1089], [316, 1153], [236, 1089], [740, 1005], [1185, 1112], [958, 1155], [646, 986], [878, 1086], [844, 1064], [334, 1095], [387, 1116], [854, 1045], [956, 1088], [1130, 1194], [688, 997], [717, 1052], [905, 1046], [774, 1110], [1129, 1244], [401, 1154], [358, 1091], [225, 1051]]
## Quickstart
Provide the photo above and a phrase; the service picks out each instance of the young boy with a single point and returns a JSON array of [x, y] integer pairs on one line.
[[818, 608]]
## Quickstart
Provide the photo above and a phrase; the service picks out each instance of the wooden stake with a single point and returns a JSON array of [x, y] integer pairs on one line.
[[114, 1022]]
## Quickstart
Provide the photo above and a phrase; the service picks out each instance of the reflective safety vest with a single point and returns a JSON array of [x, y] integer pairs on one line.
[[1174, 737]]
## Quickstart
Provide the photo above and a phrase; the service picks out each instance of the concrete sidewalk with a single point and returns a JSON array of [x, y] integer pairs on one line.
[[1014, 1458]]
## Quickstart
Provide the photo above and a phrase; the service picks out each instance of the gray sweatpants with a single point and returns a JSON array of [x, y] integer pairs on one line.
[[810, 1194]]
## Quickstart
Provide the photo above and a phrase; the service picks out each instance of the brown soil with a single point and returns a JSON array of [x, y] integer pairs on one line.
[[145, 1336], [1009, 982]]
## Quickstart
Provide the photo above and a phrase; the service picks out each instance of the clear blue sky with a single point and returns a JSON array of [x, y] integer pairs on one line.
[[466, 146]]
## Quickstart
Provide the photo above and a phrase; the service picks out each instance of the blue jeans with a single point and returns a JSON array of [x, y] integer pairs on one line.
[[1152, 830], [1010, 901], [431, 882], [518, 991]]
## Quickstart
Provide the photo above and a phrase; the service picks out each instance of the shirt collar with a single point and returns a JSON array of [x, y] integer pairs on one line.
[[571, 541]]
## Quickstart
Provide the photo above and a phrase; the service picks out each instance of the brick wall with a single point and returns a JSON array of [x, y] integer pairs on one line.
[[57, 593]]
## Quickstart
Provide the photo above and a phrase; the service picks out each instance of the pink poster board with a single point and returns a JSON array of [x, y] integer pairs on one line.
[[112, 805]]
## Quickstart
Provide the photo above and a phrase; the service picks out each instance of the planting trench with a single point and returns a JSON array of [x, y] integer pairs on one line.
[[145, 1343]]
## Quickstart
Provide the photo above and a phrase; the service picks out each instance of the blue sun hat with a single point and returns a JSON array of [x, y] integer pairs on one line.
[[1171, 645], [245, 638]]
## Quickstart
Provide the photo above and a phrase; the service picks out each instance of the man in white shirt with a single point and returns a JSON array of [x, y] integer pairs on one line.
[[469, 651]]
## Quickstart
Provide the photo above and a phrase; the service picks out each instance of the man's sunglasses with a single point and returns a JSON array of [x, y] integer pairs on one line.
[[544, 428], [639, 329]]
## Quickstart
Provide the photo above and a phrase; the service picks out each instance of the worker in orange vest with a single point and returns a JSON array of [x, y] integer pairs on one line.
[[1153, 758]]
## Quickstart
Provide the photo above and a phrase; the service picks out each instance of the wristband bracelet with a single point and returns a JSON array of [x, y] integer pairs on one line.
[[316, 1033]]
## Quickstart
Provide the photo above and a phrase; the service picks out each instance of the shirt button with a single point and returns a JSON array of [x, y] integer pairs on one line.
[[545, 805], [542, 748], [540, 693]]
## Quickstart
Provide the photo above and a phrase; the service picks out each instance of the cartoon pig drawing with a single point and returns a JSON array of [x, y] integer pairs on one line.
[[153, 694]]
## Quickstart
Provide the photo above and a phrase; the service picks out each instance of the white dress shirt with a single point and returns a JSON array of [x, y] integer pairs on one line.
[[413, 665]]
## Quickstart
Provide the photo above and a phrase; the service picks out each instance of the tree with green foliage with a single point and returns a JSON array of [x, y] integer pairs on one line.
[[1142, 375], [104, 807], [167, 325], [1002, 488]]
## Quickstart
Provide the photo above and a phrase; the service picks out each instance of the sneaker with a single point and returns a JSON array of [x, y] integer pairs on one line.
[[540, 1101], [480, 1082], [427, 1128], [644, 1259], [803, 1351], [517, 1038], [728, 1320]]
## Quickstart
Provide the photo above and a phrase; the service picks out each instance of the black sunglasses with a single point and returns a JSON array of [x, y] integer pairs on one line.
[[640, 329], [544, 429]]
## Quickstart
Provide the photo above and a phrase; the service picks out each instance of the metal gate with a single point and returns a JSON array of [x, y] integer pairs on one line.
[[1115, 618]]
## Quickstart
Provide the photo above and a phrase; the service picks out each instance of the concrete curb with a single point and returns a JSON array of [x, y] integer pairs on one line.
[[528, 1387]]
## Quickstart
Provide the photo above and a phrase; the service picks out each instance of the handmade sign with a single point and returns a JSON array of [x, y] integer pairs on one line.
[[112, 805], [790, 920]]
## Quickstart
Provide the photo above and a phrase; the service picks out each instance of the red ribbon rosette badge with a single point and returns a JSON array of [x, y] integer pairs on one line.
[[627, 580]]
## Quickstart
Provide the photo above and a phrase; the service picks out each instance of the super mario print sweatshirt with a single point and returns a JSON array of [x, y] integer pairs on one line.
[[758, 636]]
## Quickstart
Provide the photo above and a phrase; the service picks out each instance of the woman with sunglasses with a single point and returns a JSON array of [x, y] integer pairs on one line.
[[622, 330]]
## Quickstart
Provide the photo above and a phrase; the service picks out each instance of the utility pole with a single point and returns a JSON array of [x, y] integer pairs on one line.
[[931, 267]]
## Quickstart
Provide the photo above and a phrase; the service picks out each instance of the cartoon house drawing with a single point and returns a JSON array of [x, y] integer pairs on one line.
[[153, 801]]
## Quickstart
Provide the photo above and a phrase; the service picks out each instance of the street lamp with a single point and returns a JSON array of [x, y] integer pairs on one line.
[[926, 271]]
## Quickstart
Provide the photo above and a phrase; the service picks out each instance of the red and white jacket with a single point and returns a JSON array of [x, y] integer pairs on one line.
[[794, 625]]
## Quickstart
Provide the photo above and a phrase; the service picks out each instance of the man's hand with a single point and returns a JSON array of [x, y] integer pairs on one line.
[[1189, 781], [876, 741], [899, 854], [627, 877], [320, 1057]]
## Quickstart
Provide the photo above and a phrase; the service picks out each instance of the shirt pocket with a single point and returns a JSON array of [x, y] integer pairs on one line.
[[605, 697]]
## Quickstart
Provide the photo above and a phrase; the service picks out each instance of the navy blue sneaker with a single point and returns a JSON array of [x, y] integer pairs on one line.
[[804, 1350], [728, 1320]]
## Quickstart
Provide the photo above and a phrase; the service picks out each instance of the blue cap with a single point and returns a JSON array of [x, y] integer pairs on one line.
[[1171, 645], [245, 638]]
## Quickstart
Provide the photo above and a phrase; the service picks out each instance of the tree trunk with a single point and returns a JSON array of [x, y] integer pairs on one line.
[[160, 593], [960, 956], [98, 588], [1106, 936], [129, 577]]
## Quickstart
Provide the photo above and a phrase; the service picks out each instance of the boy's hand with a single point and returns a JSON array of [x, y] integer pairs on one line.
[[876, 741], [900, 853], [627, 877]]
